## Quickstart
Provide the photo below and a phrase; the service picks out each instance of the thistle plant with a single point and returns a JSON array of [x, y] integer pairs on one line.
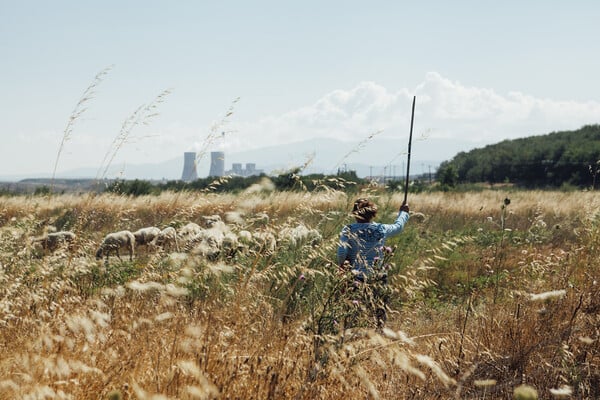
[[594, 171], [499, 248]]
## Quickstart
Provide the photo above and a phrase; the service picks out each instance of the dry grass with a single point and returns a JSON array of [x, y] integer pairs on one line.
[[478, 310]]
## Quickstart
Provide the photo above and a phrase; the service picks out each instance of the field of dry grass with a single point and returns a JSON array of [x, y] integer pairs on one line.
[[486, 297]]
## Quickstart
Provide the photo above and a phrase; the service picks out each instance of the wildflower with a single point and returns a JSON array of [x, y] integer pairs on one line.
[[301, 277]]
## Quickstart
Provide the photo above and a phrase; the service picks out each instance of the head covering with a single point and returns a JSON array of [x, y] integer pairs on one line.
[[364, 210]]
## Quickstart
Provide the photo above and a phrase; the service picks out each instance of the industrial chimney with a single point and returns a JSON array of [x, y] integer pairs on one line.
[[189, 167], [217, 163]]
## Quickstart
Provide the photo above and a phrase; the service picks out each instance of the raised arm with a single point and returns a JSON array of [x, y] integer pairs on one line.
[[398, 225]]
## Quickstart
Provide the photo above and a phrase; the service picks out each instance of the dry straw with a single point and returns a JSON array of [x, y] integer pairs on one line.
[[181, 326]]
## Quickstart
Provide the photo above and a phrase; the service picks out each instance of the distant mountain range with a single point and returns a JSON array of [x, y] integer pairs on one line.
[[376, 158]]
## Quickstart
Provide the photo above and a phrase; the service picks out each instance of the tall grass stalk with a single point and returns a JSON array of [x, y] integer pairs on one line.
[[142, 115], [356, 149], [81, 106], [216, 131]]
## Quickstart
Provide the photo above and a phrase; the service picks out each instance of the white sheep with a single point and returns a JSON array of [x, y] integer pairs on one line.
[[245, 241], [53, 240], [245, 237], [264, 242], [231, 245], [145, 236], [259, 219], [187, 232], [209, 242], [234, 217], [299, 235], [211, 220], [167, 238], [115, 241]]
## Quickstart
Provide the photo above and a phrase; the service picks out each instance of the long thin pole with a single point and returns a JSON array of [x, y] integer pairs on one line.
[[412, 119]]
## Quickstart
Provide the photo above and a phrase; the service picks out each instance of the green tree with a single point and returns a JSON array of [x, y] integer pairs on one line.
[[447, 175]]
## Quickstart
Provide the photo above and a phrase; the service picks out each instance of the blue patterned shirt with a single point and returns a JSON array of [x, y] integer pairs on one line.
[[362, 243]]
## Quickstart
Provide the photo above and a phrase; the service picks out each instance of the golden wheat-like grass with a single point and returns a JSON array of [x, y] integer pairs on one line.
[[179, 326]]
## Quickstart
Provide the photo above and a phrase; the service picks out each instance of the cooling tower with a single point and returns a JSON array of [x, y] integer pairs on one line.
[[237, 169], [217, 163], [189, 167]]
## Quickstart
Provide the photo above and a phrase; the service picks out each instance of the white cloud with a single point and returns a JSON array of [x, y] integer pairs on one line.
[[482, 115], [444, 109]]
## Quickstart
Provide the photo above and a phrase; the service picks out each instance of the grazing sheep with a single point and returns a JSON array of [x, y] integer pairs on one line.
[[209, 242], [260, 219], [244, 240], [167, 238], [299, 235], [261, 242], [52, 241], [115, 241], [234, 217], [264, 242], [245, 237], [187, 232], [145, 236], [211, 220], [231, 245]]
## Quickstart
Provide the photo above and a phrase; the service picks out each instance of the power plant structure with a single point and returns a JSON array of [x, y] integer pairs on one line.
[[237, 170], [217, 167], [189, 173], [217, 163]]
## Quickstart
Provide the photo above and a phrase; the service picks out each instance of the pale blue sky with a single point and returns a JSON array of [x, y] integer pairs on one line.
[[482, 71]]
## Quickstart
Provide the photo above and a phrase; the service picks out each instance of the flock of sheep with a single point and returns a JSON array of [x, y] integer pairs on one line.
[[213, 240]]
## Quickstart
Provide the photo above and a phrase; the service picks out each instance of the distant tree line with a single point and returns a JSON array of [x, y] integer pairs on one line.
[[553, 160], [287, 181], [293, 180]]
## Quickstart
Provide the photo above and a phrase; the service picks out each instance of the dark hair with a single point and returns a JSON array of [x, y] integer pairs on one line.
[[364, 210]]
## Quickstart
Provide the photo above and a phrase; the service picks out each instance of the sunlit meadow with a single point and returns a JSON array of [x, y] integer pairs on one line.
[[493, 293]]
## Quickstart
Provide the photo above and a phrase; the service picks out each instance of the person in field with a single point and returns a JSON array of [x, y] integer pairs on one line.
[[362, 251]]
